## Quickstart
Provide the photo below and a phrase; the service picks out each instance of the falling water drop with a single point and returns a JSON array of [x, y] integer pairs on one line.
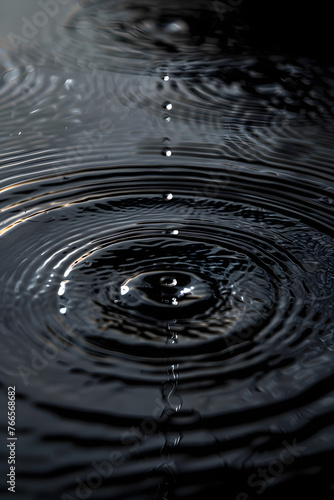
[[168, 196]]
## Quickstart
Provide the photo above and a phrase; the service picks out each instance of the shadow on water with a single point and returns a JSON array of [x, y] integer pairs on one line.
[[167, 257]]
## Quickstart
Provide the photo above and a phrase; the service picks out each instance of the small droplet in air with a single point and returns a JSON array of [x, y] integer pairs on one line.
[[167, 152], [165, 78], [168, 196], [168, 106]]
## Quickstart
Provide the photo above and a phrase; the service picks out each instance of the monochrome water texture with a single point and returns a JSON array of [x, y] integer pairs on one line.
[[167, 252]]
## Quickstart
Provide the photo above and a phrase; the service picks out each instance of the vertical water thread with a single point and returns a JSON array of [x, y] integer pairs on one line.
[[172, 403]]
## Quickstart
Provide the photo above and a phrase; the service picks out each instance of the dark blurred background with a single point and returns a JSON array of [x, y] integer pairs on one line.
[[293, 27], [304, 28]]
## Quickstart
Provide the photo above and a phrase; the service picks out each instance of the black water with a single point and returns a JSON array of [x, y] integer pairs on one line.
[[167, 253]]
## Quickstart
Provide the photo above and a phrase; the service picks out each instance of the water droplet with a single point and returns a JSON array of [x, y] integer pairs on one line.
[[168, 281], [124, 289], [156, 294], [172, 339], [167, 118], [167, 152], [62, 287], [165, 78], [168, 106], [168, 196]]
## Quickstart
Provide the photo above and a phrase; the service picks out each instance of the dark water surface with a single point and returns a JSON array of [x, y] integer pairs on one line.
[[167, 254]]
